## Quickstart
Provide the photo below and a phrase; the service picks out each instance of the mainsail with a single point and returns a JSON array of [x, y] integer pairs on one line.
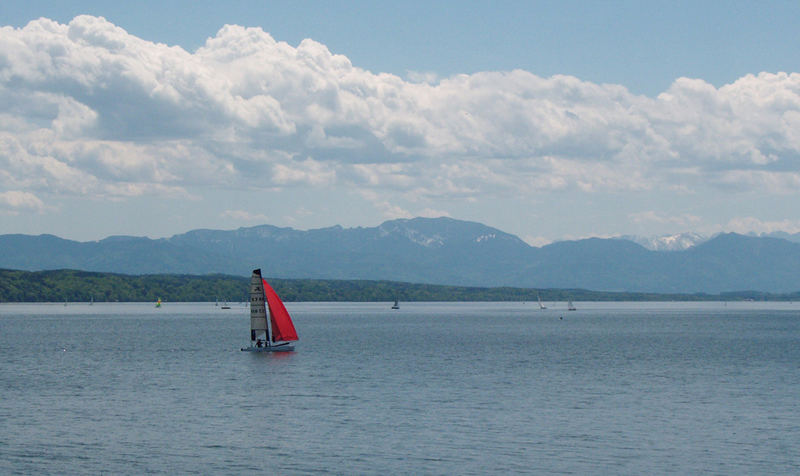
[[258, 308]]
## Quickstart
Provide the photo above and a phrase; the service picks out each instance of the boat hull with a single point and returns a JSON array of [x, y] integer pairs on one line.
[[274, 348]]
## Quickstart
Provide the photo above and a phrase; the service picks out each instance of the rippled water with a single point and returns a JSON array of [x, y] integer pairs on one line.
[[465, 388]]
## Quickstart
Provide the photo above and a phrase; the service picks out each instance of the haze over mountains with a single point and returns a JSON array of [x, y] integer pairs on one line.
[[432, 250]]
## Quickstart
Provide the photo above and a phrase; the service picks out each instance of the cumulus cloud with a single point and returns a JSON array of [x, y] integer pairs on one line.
[[308, 171], [15, 202], [88, 109], [245, 216], [391, 211], [651, 216], [752, 224], [432, 213], [536, 241]]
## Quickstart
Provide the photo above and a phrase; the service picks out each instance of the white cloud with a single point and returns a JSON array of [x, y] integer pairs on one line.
[[537, 241], [431, 213], [392, 212], [307, 172], [651, 216], [243, 215], [15, 202], [775, 182], [752, 224], [88, 109]]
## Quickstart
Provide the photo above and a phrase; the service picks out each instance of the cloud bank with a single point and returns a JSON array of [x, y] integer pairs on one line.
[[90, 110]]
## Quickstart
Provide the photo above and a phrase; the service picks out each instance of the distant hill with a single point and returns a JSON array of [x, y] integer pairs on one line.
[[431, 251]]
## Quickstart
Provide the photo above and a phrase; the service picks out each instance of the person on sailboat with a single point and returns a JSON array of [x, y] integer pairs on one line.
[[258, 343]]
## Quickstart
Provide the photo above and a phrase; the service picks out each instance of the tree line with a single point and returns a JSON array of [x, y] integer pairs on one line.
[[84, 286]]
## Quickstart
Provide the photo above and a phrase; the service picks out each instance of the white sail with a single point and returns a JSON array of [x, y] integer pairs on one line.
[[258, 309]]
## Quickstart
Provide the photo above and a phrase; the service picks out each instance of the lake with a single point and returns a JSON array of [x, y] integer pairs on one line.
[[432, 388]]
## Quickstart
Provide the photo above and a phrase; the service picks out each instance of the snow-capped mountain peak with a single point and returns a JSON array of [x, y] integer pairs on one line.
[[676, 242]]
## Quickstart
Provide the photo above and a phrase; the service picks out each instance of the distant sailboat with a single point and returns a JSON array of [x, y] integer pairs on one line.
[[541, 306], [271, 327], [158, 302], [395, 305], [570, 306]]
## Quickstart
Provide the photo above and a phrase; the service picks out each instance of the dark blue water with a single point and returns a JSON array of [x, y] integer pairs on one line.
[[461, 388]]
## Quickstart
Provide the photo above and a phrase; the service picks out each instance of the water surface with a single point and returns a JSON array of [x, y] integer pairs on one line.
[[434, 388]]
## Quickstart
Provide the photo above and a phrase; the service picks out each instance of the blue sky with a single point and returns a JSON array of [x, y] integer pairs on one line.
[[550, 120]]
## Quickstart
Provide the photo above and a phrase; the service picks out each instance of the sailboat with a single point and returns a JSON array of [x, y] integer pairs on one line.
[[271, 327], [570, 306], [395, 305], [541, 306], [158, 303]]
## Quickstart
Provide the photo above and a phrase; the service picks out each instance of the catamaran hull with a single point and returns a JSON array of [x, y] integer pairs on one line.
[[277, 348]]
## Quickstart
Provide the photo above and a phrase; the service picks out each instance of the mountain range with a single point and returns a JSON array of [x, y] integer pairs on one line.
[[428, 250], [682, 241], [677, 242]]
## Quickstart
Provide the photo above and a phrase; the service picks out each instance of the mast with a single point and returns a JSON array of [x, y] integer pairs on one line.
[[269, 322]]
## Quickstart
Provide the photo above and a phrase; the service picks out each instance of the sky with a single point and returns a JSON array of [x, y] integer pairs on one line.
[[549, 120]]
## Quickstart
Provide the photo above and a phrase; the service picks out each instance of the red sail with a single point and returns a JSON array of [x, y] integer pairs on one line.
[[282, 327]]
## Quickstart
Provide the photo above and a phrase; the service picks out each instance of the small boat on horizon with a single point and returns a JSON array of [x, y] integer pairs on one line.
[[395, 305], [541, 306], [271, 327], [158, 302], [570, 306]]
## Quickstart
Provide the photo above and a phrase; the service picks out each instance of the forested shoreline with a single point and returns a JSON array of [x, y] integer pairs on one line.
[[84, 286]]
